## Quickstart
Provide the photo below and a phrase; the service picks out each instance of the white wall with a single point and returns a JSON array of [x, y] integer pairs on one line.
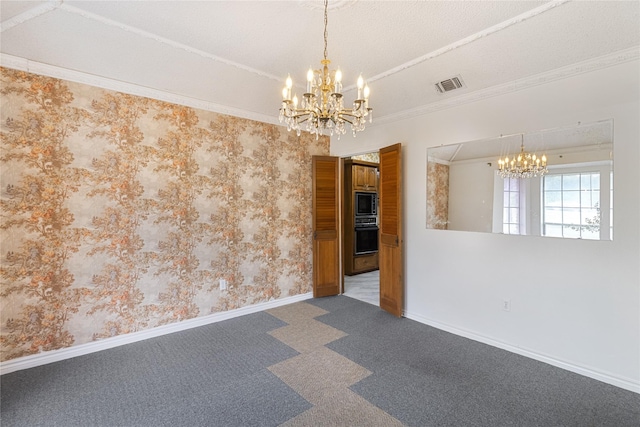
[[582, 308]]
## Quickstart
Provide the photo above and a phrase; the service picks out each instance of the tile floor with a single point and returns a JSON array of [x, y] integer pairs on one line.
[[364, 287]]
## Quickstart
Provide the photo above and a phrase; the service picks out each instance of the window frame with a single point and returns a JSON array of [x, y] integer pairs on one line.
[[605, 171], [531, 199]]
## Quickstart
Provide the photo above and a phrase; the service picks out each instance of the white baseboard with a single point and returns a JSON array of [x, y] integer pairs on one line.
[[34, 360], [92, 347], [605, 377]]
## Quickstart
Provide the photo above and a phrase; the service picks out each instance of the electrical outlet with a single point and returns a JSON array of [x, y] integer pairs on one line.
[[223, 285], [506, 305]]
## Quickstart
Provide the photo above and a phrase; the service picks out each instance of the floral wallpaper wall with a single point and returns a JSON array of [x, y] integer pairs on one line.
[[122, 213], [373, 157], [437, 195]]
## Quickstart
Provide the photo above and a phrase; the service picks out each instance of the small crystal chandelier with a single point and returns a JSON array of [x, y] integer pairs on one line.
[[526, 165], [322, 105]]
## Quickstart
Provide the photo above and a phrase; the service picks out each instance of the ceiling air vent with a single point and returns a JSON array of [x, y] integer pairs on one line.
[[450, 84]]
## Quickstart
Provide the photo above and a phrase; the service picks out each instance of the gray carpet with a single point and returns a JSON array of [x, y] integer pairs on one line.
[[214, 375], [325, 362], [423, 376]]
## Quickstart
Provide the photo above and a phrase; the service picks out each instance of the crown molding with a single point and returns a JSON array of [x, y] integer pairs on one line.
[[472, 38], [601, 62], [23, 64], [163, 40], [605, 61], [30, 14]]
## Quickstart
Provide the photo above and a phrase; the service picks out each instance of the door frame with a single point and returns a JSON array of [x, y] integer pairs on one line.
[[341, 196]]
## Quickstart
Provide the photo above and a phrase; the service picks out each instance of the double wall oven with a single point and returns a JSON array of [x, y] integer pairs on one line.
[[366, 223]]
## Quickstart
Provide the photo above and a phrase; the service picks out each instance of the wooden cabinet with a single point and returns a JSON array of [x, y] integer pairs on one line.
[[358, 176], [364, 263], [365, 177]]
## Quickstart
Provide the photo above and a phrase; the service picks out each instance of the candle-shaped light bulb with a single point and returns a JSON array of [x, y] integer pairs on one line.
[[506, 160], [295, 101], [309, 79], [360, 86], [338, 79], [544, 160], [366, 92], [534, 158], [288, 85], [285, 92]]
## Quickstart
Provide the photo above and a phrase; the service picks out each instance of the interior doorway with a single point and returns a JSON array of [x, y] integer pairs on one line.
[[328, 226], [362, 283]]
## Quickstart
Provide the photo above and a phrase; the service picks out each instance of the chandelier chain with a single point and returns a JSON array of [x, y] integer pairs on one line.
[[326, 34]]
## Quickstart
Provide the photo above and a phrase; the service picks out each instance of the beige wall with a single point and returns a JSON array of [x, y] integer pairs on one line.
[[122, 213]]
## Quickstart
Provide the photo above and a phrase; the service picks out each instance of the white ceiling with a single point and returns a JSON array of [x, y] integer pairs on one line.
[[236, 54]]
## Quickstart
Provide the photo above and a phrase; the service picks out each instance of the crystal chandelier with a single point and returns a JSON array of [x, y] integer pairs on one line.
[[322, 106], [526, 165]]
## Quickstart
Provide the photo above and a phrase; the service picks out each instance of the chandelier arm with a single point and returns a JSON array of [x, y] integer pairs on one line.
[[348, 113], [298, 114], [343, 119], [295, 113]]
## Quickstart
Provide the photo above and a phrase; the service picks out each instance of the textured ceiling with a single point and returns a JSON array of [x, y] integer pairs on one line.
[[236, 54]]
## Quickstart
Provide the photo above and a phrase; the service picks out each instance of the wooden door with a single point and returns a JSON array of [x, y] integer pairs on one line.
[[326, 227], [390, 250]]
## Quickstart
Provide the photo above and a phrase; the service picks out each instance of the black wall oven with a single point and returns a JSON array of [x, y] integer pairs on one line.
[[366, 235]]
